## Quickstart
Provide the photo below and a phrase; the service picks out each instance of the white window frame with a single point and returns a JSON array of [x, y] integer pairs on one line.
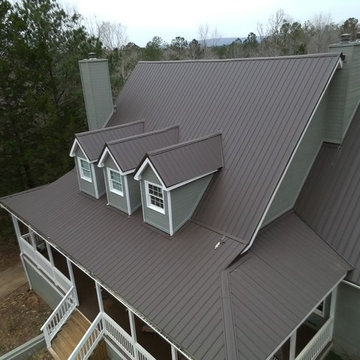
[[81, 170], [149, 204], [321, 312], [110, 182]]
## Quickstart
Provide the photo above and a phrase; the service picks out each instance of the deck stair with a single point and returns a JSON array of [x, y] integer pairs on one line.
[[69, 336]]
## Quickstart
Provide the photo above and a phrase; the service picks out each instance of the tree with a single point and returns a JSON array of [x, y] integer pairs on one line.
[[153, 49], [350, 26], [41, 101], [178, 48]]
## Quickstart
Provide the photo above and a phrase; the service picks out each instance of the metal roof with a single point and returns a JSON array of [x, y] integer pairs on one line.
[[129, 152], [92, 142], [277, 283], [260, 106], [172, 281], [330, 199], [188, 160]]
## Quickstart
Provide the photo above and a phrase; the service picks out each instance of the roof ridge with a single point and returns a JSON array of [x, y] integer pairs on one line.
[[181, 144], [105, 129], [142, 135], [314, 55]]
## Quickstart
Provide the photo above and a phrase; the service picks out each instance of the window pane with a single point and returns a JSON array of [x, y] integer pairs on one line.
[[156, 196]]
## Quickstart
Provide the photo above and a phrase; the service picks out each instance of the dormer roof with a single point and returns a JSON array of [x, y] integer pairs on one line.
[[181, 163], [92, 142], [128, 152]]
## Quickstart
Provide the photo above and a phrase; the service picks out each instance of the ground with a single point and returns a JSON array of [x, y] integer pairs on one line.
[[22, 312]]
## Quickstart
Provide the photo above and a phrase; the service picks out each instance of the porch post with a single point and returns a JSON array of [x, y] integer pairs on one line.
[[292, 346], [99, 297], [48, 248], [332, 309], [173, 353], [32, 238], [133, 332], [18, 236], [72, 278]]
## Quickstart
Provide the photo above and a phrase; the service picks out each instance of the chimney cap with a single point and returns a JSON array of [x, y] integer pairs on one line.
[[92, 55], [345, 37]]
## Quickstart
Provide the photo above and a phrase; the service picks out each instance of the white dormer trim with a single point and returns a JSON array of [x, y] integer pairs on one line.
[[147, 162], [102, 159], [73, 149], [190, 180]]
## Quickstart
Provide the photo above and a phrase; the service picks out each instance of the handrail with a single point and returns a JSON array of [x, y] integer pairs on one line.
[[89, 341], [59, 316]]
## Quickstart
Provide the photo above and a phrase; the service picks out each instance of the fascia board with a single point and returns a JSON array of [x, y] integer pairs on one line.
[[145, 163]]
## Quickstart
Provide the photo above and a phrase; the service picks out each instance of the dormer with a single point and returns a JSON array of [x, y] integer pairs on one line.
[[174, 179], [119, 159], [86, 149]]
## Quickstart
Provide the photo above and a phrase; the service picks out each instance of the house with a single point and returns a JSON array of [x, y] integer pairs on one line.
[[213, 214]]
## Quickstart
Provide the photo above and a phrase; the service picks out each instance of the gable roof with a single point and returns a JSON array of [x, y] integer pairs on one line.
[[260, 106], [186, 161], [330, 199], [276, 285], [92, 142], [128, 152]]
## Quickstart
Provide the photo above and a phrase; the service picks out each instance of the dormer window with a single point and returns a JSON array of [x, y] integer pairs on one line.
[[155, 197], [85, 171], [115, 182]]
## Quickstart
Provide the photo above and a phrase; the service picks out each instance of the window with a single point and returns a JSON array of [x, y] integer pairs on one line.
[[155, 197], [115, 182], [85, 170]]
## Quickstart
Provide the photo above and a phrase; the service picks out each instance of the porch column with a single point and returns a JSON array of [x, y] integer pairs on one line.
[[72, 278], [99, 297], [332, 309], [133, 332], [48, 248], [32, 238], [174, 355], [292, 346], [18, 236]]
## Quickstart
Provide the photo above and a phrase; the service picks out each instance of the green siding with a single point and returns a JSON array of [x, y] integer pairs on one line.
[[185, 199], [347, 323], [42, 287], [153, 217], [113, 199], [85, 186], [134, 193], [95, 81]]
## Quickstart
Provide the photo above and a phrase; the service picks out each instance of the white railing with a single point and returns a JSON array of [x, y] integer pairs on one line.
[[44, 264], [105, 325], [59, 316], [89, 341], [318, 343]]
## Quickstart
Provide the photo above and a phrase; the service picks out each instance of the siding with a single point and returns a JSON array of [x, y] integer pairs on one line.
[[134, 193], [113, 199], [185, 199], [95, 81], [153, 217], [85, 186]]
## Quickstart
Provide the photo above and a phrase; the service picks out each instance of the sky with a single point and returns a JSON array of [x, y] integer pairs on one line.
[[144, 19]]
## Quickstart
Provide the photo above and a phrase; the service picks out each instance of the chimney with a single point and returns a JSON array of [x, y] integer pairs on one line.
[[95, 80], [358, 36], [345, 38]]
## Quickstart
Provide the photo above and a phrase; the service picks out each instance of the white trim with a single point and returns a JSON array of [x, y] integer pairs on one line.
[[97, 195], [149, 205], [110, 182], [142, 200], [73, 149], [190, 180], [169, 204], [292, 350], [288, 165], [81, 174], [99, 296], [137, 175], [303, 320], [102, 157], [173, 353], [349, 283], [320, 312], [127, 196], [116, 296]]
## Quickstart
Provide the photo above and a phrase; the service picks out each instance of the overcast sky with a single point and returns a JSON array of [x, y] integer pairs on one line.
[[168, 19]]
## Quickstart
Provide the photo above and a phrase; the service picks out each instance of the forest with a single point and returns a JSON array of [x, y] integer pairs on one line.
[[41, 103]]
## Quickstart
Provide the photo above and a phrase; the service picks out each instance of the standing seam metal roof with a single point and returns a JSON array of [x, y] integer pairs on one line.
[[330, 199], [260, 106]]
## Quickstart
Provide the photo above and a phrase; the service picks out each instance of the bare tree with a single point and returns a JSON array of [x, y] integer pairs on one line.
[[112, 35]]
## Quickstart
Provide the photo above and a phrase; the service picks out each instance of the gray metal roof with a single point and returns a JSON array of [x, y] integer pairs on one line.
[[330, 199], [172, 281], [129, 152], [277, 283], [260, 106], [188, 160], [92, 142]]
